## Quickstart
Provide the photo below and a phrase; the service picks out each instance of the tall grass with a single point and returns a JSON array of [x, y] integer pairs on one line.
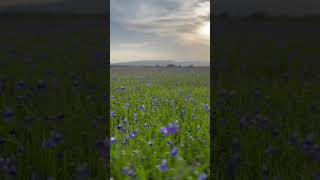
[[146, 99]]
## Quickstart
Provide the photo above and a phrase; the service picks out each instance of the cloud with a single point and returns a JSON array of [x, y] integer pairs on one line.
[[177, 19], [134, 44]]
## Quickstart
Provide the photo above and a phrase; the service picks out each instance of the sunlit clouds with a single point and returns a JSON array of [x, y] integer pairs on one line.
[[184, 26]]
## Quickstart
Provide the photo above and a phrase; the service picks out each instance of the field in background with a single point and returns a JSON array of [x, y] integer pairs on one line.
[[266, 100], [53, 98], [159, 123]]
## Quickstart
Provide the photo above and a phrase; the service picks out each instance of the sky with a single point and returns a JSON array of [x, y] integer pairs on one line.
[[272, 7], [56, 6], [290, 7], [176, 30], [163, 29]]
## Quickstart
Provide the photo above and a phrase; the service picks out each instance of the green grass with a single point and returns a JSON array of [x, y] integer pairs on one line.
[[176, 90], [84, 122], [287, 79]]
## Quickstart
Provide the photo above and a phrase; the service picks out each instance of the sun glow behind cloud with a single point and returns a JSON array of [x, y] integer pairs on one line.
[[204, 30]]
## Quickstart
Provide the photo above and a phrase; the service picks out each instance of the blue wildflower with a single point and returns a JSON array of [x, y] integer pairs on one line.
[[41, 85], [82, 171], [20, 84], [8, 114], [142, 108], [174, 152], [112, 114], [133, 134], [206, 107], [163, 166], [119, 126], [126, 106], [112, 140], [172, 128], [146, 125], [128, 171], [202, 176], [198, 127]]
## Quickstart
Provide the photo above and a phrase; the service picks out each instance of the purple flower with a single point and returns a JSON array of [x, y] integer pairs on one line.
[[133, 134], [308, 142], [2, 140], [126, 106], [170, 143], [128, 171], [193, 116], [172, 128], [50, 178], [41, 85], [53, 140], [202, 176], [112, 114], [20, 84], [8, 114], [113, 140], [163, 166], [206, 107], [174, 152], [8, 166], [198, 127], [82, 171], [293, 139], [142, 108], [119, 126], [146, 125], [60, 116], [103, 147]]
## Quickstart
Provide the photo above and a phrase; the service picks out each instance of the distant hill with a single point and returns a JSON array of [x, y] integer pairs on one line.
[[161, 63]]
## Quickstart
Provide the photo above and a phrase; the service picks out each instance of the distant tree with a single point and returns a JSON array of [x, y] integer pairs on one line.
[[171, 65], [190, 66]]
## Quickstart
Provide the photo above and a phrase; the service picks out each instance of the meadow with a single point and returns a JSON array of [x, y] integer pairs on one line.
[[159, 120], [266, 100], [53, 98]]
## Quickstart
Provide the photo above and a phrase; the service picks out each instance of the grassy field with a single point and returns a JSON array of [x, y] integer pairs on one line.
[[266, 100], [159, 123], [53, 98]]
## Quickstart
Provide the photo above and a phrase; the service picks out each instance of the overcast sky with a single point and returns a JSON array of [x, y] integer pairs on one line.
[[56, 6], [291, 7], [164, 29], [160, 29]]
